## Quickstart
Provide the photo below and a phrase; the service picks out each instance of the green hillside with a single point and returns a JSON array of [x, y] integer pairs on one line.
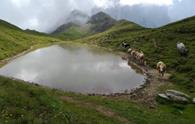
[[13, 40], [157, 44], [21, 102], [71, 31]]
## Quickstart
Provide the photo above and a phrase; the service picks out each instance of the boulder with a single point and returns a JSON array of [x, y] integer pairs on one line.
[[163, 96], [193, 100], [177, 93], [175, 96]]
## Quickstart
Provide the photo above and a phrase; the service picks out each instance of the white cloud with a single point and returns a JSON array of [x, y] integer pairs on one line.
[[33, 23], [104, 3], [154, 2], [45, 15], [21, 3]]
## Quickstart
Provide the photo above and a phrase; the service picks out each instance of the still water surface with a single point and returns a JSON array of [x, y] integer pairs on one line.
[[76, 69]]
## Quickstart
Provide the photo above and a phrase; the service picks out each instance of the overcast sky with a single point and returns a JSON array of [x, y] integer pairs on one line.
[[45, 15]]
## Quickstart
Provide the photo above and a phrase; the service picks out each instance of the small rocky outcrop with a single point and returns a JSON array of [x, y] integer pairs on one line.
[[193, 100], [163, 96], [175, 96]]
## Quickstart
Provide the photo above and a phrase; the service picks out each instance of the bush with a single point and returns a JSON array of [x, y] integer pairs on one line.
[[184, 68]]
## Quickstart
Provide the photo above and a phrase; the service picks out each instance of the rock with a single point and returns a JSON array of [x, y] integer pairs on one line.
[[193, 100], [163, 96], [175, 96], [177, 93]]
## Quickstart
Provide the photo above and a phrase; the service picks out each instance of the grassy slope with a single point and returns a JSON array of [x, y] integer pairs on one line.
[[21, 102], [74, 32], [27, 103], [14, 40], [157, 44]]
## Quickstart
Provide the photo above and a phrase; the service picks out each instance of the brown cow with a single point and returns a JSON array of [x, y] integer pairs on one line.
[[161, 67], [138, 55]]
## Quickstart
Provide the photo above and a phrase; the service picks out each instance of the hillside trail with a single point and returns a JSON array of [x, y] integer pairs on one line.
[[99, 108], [147, 93]]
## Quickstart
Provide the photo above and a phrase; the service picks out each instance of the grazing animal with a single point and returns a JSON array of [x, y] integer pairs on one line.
[[130, 50], [138, 55], [161, 67], [182, 49], [125, 45]]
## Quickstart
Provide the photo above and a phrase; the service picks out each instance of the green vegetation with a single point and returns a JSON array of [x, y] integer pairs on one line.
[[21, 102], [73, 32], [157, 44], [29, 103], [14, 40]]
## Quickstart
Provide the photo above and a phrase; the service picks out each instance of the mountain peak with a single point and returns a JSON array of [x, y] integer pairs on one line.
[[97, 23], [100, 16], [77, 17], [64, 28], [101, 22]]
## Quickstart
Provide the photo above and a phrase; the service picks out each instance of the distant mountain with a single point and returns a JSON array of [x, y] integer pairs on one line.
[[64, 28], [80, 25], [77, 17], [101, 22], [71, 31]]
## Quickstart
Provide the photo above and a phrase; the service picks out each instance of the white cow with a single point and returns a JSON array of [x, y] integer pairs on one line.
[[161, 67], [182, 49]]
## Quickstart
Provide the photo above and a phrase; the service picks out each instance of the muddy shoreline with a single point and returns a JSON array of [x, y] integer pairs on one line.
[[146, 93]]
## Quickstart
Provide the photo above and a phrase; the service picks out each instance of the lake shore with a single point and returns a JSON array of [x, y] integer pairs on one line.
[[139, 94]]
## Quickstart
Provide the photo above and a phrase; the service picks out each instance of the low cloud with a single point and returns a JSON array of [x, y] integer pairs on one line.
[[46, 15]]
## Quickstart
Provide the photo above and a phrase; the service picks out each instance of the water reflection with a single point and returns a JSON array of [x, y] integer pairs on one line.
[[77, 69]]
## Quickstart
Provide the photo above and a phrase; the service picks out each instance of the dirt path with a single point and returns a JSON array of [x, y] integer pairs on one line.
[[146, 94], [101, 109]]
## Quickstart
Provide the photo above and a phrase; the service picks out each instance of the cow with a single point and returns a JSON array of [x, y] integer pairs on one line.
[[161, 67], [125, 45], [138, 55], [183, 51]]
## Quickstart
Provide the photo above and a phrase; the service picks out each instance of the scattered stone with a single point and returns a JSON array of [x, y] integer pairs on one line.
[[163, 96], [193, 100], [177, 93], [175, 96]]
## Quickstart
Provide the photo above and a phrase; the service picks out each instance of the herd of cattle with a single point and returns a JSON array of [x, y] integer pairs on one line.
[[139, 56]]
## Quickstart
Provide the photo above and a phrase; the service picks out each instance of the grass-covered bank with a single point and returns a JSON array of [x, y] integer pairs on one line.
[[14, 40], [21, 102], [27, 103], [158, 45]]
